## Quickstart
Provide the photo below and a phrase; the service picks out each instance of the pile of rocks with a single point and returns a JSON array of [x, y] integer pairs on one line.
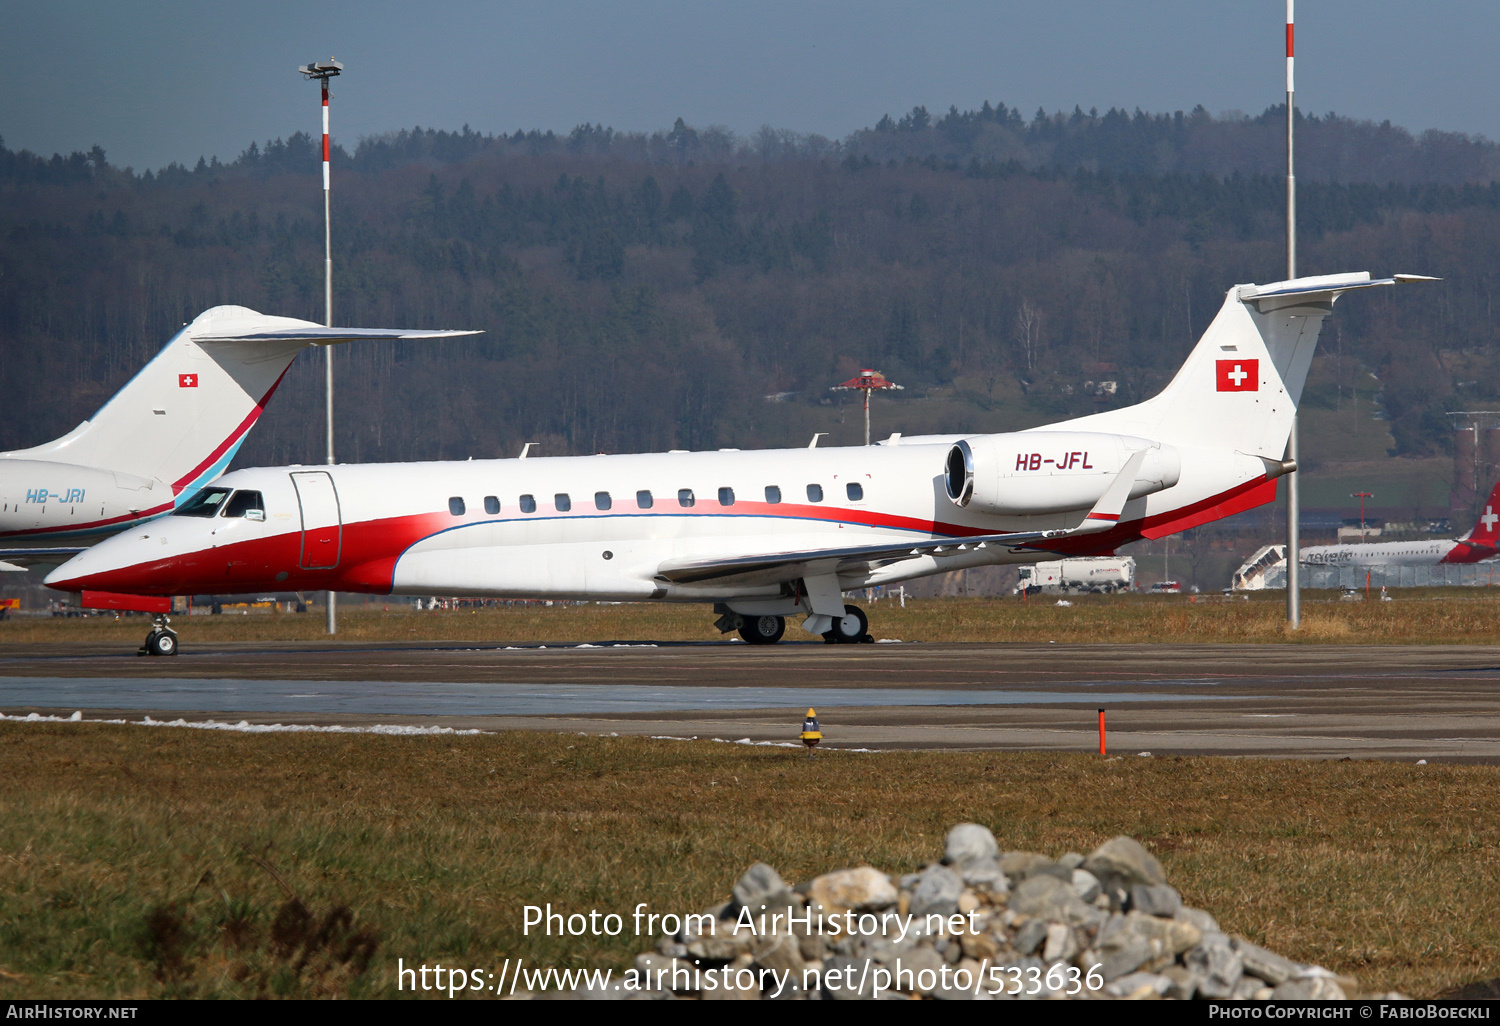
[[978, 924]]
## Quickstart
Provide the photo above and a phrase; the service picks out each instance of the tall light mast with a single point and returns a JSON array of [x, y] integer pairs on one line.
[[1293, 502], [323, 71], [867, 381]]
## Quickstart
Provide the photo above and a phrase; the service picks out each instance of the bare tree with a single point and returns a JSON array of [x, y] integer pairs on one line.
[[1029, 332]]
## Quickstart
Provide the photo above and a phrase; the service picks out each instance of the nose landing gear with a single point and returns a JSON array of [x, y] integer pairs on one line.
[[162, 641]]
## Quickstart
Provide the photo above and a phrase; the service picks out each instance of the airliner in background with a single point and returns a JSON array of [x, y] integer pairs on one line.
[[761, 535], [1482, 542], [174, 427]]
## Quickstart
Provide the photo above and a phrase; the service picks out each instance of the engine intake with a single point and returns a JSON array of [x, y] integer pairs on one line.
[[960, 475]]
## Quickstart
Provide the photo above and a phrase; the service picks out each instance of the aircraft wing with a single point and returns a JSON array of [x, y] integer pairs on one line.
[[316, 336], [774, 567], [21, 560]]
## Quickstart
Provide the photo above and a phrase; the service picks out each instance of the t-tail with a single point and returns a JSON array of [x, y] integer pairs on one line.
[[183, 417], [1240, 386], [1486, 529]]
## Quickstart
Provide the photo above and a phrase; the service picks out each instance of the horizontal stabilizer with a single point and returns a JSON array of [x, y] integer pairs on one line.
[[316, 336], [1331, 284]]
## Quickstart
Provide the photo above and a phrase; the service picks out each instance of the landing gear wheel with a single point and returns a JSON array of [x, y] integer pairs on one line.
[[850, 628], [162, 641], [763, 630]]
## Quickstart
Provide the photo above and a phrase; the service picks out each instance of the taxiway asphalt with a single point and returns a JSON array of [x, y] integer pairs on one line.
[[1311, 701]]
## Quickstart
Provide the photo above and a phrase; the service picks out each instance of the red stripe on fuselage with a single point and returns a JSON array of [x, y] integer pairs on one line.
[[368, 559], [1217, 507], [92, 525]]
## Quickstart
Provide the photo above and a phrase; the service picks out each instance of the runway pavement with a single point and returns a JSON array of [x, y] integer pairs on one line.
[[1397, 702]]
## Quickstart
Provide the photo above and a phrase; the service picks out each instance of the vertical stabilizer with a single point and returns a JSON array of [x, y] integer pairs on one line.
[[1486, 530], [1240, 386], [184, 415], [182, 418]]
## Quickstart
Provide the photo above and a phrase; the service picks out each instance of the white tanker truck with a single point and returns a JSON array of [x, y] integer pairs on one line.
[[1100, 574]]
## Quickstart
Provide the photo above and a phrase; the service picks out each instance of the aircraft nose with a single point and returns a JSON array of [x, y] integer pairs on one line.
[[77, 573], [112, 565]]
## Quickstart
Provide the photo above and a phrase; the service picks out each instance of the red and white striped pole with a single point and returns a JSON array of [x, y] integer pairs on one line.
[[1292, 180], [1293, 500], [328, 269], [323, 71]]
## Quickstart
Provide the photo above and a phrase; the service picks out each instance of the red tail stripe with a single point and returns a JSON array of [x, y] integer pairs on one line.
[[245, 425]]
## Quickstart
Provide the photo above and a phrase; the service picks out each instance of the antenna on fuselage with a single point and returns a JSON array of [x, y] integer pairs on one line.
[[525, 449], [814, 443]]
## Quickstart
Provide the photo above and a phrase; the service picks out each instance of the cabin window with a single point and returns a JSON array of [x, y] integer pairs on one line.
[[643, 499], [528, 504], [855, 491], [205, 504], [773, 493], [684, 497], [492, 504], [814, 493], [602, 500], [562, 502], [242, 502], [456, 506], [726, 496]]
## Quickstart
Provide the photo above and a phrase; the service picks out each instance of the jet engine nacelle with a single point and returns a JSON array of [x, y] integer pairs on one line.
[[1031, 472]]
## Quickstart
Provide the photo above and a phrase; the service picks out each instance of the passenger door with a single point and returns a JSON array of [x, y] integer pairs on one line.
[[322, 525]]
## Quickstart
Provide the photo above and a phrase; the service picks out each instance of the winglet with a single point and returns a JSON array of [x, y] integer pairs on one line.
[[1106, 512]]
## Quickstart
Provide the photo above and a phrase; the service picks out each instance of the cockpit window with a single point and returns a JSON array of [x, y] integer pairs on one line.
[[205, 504], [243, 501]]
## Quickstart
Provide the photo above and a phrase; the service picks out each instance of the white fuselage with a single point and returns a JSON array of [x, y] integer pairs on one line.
[[1411, 553], [579, 527]]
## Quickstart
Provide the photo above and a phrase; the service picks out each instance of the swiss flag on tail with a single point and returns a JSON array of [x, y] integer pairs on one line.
[[1237, 375], [1487, 527], [187, 381]]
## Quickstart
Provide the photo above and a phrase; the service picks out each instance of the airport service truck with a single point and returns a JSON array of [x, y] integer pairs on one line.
[[1100, 574]]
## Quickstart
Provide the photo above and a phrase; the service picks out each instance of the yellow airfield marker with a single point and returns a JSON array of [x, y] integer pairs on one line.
[[811, 734]]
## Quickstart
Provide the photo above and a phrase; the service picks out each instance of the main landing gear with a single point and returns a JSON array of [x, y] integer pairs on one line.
[[162, 641], [762, 630], [850, 629]]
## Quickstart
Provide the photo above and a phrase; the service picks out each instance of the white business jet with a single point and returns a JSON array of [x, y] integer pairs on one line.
[[173, 427], [761, 535]]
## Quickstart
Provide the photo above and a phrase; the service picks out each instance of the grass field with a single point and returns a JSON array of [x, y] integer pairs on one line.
[[155, 862], [1415, 616]]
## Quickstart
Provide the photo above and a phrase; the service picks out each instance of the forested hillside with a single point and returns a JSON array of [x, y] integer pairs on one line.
[[651, 291]]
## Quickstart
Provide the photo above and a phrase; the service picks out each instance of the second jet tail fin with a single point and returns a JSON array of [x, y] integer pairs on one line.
[[1486, 529], [182, 418]]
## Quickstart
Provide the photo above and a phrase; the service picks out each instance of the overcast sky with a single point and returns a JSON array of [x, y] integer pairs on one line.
[[155, 82]]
